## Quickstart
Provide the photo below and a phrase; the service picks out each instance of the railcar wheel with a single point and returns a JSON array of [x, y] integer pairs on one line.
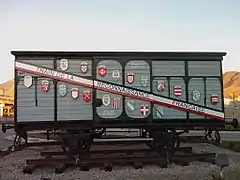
[[175, 139], [235, 123], [76, 146], [156, 135], [165, 142], [162, 139], [208, 134], [209, 137], [205, 132], [18, 140], [172, 138], [217, 136], [172, 142], [4, 129]]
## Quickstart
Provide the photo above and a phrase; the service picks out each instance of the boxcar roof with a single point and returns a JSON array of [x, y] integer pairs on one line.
[[119, 53]]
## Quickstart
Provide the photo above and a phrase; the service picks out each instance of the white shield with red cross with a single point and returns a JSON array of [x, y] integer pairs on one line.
[[161, 86], [130, 78], [177, 91], [144, 109], [87, 96], [214, 99], [84, 67], [45, 85], [102, 70], [116, 103], [74, 93]]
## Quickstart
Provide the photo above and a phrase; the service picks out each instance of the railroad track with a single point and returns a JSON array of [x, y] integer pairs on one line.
[[108, 156], [104, 141], [123, 151]]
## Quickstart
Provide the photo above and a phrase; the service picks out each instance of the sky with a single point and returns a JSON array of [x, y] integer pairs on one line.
[[164, 25]]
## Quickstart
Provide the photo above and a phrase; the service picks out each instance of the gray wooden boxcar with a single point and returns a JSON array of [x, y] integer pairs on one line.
[[87, 90]]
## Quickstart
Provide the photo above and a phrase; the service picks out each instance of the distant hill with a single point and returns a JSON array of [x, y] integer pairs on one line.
[[231, 84]]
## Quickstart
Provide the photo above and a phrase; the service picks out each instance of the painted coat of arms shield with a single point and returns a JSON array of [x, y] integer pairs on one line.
[[161, 85], [196, 95], [74, 93], [116, 75], [87, 96], [130, 105], [64, 64], [28, 81], [102, 70], [62, 90], [106, 100], [214, 99], [144, 109], [144, 81], [116, 103], [84, 67], [159, 112], [45, 85], [130, 78]]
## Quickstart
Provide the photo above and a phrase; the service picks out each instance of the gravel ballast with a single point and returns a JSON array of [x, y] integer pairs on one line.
[[11, 168]]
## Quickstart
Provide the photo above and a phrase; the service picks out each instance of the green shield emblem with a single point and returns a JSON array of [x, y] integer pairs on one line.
[[159, 112], [116, 75], [144, 81], [130, 105], [62, 90]]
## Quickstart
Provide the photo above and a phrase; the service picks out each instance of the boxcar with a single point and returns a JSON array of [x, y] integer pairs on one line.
[[121, 89]]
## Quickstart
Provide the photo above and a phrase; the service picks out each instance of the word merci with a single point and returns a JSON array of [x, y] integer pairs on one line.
[[188, 106]]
